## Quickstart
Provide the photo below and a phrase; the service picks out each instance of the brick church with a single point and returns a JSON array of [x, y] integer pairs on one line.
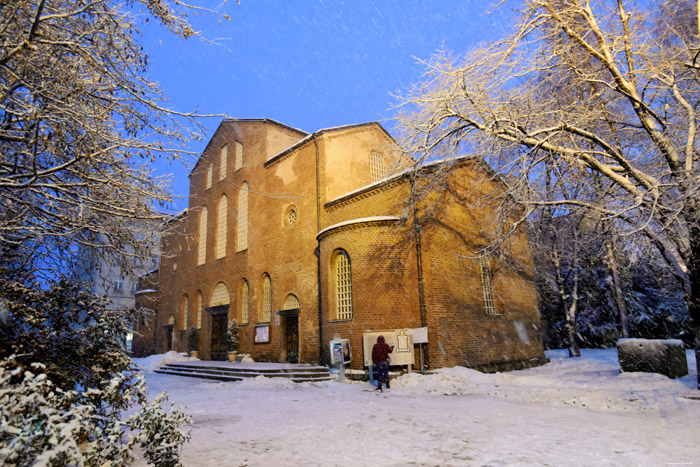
[[305, 237]]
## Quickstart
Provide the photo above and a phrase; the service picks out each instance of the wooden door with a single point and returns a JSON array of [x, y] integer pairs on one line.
[[218, 337], [292, 334]]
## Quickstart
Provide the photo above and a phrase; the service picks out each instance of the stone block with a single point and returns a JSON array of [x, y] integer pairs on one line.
[[664, 356]]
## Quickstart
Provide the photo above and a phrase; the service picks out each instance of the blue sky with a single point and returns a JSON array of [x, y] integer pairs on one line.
[[310, 64]]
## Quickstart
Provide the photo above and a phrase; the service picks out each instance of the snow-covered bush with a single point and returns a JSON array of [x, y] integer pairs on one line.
[[66, 381]]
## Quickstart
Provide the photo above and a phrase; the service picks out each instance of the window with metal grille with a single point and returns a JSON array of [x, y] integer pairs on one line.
[[185, 305], [267, 299], [291, 302], [239, 155], [377, 167], [487, 287], [210, 174], [202, 245], [223, 162], [245, 302], [343, 285], [221, 217], [242, 218]]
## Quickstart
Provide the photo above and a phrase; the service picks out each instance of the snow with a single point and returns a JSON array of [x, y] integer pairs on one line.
[[360, 220], [568, 412], [152, 363]]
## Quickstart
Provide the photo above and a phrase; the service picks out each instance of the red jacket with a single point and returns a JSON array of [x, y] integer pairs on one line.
[[381, 351]]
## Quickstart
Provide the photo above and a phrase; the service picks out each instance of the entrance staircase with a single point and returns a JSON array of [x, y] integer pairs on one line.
[[224, 371]]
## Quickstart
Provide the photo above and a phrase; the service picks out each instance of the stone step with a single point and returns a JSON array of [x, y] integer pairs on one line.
[[298, 374]]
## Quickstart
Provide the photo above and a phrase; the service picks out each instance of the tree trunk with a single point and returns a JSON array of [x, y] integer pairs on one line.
[[617, 288], [694, 298]]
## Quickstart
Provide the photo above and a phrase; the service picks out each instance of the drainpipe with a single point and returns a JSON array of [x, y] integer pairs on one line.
[[317, 252], [419, 266]]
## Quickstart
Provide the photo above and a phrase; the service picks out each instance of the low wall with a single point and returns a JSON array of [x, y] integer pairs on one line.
[[664, 356]]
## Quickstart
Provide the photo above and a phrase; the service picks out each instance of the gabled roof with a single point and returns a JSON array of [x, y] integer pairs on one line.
[[245, 120], [310, 137]]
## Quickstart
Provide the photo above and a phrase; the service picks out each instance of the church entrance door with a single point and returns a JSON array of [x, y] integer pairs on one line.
[[218, 337], [292, 337]]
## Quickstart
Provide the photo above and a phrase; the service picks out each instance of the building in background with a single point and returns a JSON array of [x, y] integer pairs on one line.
[[305, 237]]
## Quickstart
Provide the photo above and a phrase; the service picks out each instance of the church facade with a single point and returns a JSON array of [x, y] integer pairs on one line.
[[305, 237]]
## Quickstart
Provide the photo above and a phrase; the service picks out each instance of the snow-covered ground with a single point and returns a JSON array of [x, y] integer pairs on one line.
[[573, 412]]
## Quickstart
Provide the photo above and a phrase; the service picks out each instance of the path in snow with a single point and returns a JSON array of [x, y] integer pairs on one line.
[[569, 412]]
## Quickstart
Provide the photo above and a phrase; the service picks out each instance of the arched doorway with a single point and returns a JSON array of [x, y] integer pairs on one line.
[[290, 313], [218, 309]]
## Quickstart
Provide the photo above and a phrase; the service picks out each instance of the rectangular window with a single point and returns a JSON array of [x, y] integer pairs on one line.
[[223, 162], [239, 155], [486, 286], [119, 284], [377, 166]]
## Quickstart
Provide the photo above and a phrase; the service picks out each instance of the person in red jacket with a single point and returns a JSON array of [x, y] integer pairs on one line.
[[380, 358]]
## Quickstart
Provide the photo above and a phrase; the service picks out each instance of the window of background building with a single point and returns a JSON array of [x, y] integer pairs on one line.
[[223, 162], [119, 284], [343, 285], [267, 299], [486, 286], [242, 218], [221, 222], [202, 243], [245, 302], [239, 156]]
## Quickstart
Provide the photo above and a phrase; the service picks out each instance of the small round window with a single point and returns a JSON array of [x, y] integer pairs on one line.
[[291, 216]]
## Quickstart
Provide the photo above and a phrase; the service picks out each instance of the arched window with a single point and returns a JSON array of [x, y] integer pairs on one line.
[[223, 162], [245, 302], [239, 155], [243, 218], [210, 172], [221, 217], [202, 244], [266, 309], [377, 166], [291, 302], [220, 295], [199, 308], [343, 282], [184, 307]]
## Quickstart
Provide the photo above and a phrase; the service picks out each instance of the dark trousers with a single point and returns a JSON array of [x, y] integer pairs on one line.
[[383, 372]]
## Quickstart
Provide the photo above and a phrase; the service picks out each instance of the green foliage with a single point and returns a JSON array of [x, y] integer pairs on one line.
[[193, 338], [232, 336]]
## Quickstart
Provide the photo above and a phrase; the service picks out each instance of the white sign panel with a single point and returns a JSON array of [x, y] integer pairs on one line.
[[403, 346]]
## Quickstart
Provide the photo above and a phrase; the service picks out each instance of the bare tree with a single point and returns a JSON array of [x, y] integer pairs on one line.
[[80, 123], [606, 90]]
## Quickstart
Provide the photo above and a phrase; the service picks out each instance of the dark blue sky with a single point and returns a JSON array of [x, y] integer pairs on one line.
[[310, 64]]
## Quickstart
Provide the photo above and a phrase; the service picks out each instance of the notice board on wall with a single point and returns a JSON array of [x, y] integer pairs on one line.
[[403, 345]]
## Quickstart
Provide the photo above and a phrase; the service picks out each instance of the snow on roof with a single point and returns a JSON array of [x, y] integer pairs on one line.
[[361, 220], [138, 292]]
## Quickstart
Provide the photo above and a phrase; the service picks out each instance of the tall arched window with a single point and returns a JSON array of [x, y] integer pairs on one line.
[[184, 307], [245, 302], [223, 162], [343, 282], [266, 309], [202, 244], [210, 172], [239, 155], [221, 217], [243, 218], [199, 308]]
